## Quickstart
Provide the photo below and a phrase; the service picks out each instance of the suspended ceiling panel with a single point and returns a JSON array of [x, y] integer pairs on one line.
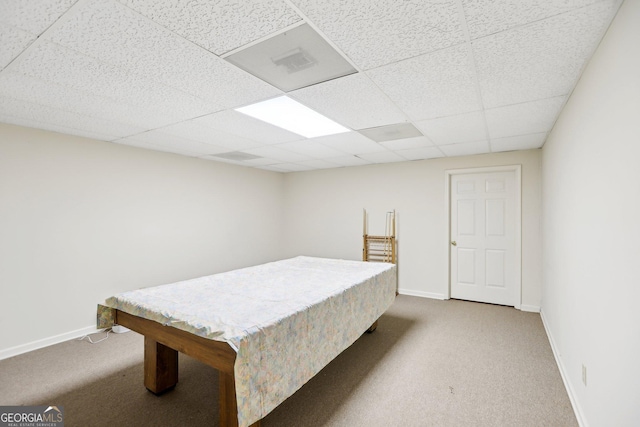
[[466, 148], [520, 142], [525, 118], [407, 143], [431, 85], [471, 76], [380, 33], [454, 129], [21, 22], [353, 101], [421, 153], [218, 26], [350, 142], [538, 60], [242, 125], [490, 17]]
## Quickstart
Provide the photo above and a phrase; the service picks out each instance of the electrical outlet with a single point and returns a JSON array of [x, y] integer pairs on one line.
[[584, 375]]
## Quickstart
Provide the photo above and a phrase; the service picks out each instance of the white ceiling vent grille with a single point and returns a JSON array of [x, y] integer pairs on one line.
[[292, 60], [391, 132], [237, 155]]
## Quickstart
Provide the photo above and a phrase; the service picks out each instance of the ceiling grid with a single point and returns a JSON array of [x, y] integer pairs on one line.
[[470, 76]]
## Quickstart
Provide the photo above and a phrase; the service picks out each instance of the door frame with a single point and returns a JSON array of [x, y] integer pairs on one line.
[[518, 219]]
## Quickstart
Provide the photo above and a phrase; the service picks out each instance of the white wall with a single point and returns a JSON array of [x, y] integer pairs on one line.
[[324, 216], [591, 225], [81, 220]]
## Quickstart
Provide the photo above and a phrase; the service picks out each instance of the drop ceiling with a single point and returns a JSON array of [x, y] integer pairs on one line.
[[471, 76]]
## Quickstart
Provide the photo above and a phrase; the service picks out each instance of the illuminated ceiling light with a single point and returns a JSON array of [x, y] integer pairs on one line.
[[288, 114]]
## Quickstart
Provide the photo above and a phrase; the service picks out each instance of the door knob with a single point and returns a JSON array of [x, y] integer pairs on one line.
[[453, 242]]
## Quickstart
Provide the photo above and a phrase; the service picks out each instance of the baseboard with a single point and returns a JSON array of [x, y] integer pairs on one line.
[[530, 308], [563, 373], [45, 342], [422, 294]]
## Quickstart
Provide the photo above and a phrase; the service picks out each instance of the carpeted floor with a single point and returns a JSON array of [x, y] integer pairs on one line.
[[429, 363]]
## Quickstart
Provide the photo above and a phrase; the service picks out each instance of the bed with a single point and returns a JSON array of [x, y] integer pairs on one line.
[[267, 329]]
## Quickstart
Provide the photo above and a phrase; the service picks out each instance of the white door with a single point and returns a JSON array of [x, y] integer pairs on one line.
[[483, 237]]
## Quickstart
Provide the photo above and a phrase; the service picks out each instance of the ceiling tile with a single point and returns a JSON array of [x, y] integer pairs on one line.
[[157, 54], [63, 67], [318, 164], [43, 115], [465, 148], [520, 119], [49, 94], [348, 161], [174, 142], [537, 61], [484, 18], [421, 153], [279, 154], [54, 127], [288, 167], [382, 157], [354, 101], [429, 86], [33, 16], [455, 129], [219, 26], [350, 142], [273, 168], [196, 132], [13, 41], [312, 149], [233, 122], [408, 143], [154, 147], [373, 35], [521, 142], [21, 22]]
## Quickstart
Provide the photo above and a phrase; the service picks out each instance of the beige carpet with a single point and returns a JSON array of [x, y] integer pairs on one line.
[[430, 363]]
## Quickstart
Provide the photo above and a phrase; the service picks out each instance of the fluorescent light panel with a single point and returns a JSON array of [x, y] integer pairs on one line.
[[288, 114]]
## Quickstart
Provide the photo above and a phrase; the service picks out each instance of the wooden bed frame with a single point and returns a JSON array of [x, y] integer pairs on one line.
[[161, 347]]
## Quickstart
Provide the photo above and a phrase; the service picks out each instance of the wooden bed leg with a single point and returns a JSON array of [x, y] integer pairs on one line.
[[372, 327], [160, 367], [228, 403]]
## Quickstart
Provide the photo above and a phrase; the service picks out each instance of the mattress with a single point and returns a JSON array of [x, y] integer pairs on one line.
[[286, 319]]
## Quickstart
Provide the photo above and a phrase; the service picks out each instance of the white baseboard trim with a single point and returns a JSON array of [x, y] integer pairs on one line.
[[422, 294], [45, 342], [563, 373], [530, 308]]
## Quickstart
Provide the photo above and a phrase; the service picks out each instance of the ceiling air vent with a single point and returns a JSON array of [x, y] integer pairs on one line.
[[291, 60], [294, 60], [391, 132], [237, 155]]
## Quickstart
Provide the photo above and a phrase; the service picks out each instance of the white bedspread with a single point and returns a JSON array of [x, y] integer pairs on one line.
[[286, 319]]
